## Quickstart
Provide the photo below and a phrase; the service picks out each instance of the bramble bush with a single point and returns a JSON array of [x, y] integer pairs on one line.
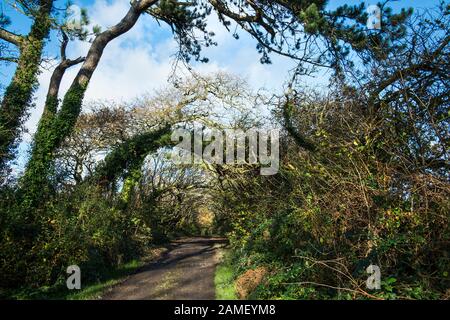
[[82, 227], [327, 215]]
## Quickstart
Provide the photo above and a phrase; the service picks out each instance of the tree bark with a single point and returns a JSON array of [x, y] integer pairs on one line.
[[10, 37], [55, 125]]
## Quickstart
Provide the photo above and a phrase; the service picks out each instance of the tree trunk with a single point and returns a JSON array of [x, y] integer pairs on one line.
[[55, 127], [18, 95]]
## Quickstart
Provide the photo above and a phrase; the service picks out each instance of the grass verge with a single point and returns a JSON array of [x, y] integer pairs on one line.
[[224, 279], [95, 290], [88, 291]]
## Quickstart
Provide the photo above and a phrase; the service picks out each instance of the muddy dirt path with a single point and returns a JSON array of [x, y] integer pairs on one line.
[[185, 271]]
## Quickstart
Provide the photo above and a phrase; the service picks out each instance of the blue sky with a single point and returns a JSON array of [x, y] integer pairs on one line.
[[107, 12], [141, 60], [156, 43]]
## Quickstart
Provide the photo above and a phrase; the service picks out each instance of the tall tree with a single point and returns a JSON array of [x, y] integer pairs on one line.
[[34, 175], [305, 31], [18, 95], [53, 130]]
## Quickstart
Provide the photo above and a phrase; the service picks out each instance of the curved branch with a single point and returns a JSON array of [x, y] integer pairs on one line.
[[10, 37], [55, 80], [100, 42], [53, 129], [410, 71], [130, 155]]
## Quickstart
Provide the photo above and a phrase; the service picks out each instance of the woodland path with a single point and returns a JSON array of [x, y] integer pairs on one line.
[[185, 271]]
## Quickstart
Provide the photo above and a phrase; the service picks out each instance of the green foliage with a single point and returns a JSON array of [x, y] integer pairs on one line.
[[82, 228], [330, 213], [129, 156], [224, 280], [43, 231], [18, 95], [363, 173], [91, 289], [53, 128], [186, 20]]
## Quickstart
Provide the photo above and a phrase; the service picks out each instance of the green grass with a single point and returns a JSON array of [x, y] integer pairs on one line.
[[224, 281], [88, 291], [94, 290]]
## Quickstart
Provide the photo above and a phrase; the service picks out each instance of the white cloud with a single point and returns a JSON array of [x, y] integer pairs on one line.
[[141, 60]]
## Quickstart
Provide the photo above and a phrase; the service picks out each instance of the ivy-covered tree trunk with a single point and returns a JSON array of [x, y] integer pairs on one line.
[[130, 155], [54, 128], [18, 95], [35, 175]]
